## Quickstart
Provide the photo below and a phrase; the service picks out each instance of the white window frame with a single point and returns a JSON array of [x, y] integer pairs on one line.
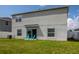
[[18, 19], [19, 32], [51, 32]]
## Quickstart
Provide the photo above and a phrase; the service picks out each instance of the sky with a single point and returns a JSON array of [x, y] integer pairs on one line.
[[73, 17], [73, 12], [7, 10]]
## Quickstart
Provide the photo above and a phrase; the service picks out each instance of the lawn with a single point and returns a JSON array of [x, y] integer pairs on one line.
[[10, 46]]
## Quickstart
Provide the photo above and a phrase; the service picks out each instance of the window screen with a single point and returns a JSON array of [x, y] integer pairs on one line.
[[18, 19], [6, 23], [51, 32], [19, 32]]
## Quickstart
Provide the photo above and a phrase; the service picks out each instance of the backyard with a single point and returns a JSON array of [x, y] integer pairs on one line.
[[14, 46]]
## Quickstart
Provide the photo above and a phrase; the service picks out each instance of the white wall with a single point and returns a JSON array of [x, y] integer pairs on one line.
[[4, 34], [57, 21]]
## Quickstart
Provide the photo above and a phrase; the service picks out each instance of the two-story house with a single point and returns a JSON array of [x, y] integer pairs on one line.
[[5, 27], [49, 24]]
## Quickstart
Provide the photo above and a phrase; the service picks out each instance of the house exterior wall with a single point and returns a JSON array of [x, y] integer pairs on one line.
[[4, 27], [57, 20], [5, 30], [4, 34], [76, 35]]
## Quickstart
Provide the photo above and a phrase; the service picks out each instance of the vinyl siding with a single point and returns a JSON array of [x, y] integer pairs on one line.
[[56, 20]]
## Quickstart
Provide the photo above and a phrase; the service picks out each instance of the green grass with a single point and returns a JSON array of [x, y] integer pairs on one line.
[[8, 46]]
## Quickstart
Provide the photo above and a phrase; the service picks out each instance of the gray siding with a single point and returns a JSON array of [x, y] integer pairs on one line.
[[4, 27], [5, 30]]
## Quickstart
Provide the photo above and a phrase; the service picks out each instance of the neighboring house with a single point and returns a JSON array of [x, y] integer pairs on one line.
[[73, 34], [50, 24], [76, 34], [70, 34], [5, 27]]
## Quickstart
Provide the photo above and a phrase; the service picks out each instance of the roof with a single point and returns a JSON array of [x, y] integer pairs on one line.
[[76, 29], [5, 18], [40, 11]]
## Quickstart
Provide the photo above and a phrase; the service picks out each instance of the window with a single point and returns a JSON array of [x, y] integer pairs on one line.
[[6, 23], [51, 32], [19, 32], [18, 19]]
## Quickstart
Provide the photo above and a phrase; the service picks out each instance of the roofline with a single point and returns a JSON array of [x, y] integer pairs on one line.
[[39, 11], [3, 18]]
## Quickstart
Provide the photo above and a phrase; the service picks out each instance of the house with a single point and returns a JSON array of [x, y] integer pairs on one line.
[[49, 24], [73, 34], [76, 34], [5, 27], [70, 34]]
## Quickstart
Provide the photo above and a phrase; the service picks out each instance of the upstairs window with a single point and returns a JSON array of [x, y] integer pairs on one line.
[[6, 23], [18, 19], [51, 32]]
